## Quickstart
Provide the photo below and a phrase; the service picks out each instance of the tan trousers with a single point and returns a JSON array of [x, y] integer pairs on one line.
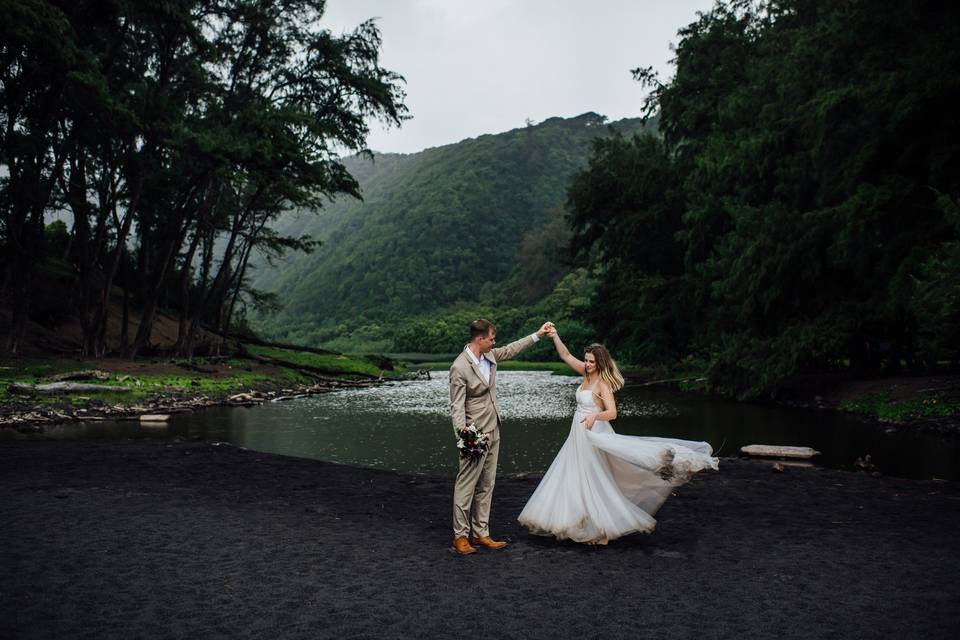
[[473, 493]]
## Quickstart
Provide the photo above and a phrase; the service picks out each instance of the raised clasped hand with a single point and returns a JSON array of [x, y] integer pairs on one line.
[[545, 329]]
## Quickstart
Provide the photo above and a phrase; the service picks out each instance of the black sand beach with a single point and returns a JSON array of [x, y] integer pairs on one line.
[[154, 539]]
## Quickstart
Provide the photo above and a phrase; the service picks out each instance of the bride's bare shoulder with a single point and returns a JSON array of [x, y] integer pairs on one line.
[[602, 390]]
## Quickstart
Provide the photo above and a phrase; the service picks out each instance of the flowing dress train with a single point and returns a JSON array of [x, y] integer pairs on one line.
[[603, 485]]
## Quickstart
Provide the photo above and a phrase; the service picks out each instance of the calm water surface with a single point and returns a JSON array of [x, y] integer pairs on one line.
[[405, 426]]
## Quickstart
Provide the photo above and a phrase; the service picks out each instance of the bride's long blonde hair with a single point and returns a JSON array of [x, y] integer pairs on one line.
[[606, 366]]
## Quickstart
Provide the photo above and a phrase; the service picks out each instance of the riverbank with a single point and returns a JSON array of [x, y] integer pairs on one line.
[[190, 539], [918, 402], [115, 388], [260, 373]]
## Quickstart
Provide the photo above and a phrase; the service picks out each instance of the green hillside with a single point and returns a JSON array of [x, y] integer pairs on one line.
[[435, 228]]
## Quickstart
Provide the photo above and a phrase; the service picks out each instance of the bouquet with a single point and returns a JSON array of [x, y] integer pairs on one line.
[[471, 443]]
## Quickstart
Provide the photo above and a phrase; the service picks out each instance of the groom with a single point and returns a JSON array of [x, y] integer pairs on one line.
[[473, 400]]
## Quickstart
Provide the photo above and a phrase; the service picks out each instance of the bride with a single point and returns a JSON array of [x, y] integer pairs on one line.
[[602, 485]]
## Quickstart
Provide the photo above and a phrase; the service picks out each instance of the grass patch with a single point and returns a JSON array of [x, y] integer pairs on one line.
[[419, 358], [28, 371], [141, 383], [333, 362], [198, 383], [883, 406], [32, 369]]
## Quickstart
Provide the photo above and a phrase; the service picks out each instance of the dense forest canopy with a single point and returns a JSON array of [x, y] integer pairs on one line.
[[800, 209], [173, 132]]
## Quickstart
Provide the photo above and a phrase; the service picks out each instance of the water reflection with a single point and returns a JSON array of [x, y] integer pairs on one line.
[[406, 426]]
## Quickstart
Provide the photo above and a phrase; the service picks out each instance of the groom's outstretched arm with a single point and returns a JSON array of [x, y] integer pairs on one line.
[[514, 348], [458, 400]]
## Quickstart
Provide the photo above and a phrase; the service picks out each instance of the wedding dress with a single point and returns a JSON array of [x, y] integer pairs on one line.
[[603, 485]]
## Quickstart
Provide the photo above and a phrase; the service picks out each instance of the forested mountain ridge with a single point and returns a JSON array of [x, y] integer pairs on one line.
[[434, 228]]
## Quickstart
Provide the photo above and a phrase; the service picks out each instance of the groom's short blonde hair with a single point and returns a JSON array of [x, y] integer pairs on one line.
[[481, 328]]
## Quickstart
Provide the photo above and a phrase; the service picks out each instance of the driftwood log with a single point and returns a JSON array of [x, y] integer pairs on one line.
[[89, 374], [154, 417], [52, 388], [779, 451]]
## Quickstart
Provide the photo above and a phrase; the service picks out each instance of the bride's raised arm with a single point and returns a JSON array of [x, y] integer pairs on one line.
[[565, 355]]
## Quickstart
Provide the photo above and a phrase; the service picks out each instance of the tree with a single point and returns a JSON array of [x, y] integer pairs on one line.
[[189, 124], [805, 145]]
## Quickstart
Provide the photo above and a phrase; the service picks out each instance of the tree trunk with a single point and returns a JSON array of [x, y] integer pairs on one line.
[[125, 322], [205, 264], [25, 234], [241, 270], [185, 295], [122, 232], [148, 314], [183, 348]]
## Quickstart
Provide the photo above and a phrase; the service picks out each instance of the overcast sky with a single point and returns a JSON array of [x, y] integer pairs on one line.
[[485, 66]]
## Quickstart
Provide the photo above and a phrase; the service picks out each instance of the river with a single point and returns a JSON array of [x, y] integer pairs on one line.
[[405, 426]]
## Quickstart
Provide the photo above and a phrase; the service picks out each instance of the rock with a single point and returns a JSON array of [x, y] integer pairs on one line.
[[865, 464]]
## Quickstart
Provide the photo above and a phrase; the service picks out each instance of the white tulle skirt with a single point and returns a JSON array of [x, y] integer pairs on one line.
[[602, 485]]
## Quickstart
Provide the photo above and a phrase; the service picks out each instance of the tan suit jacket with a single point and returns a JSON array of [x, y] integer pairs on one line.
[[472, 400]]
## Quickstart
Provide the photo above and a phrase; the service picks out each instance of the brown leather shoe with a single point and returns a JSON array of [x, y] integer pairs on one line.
[[461, 546], [487, 542]]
